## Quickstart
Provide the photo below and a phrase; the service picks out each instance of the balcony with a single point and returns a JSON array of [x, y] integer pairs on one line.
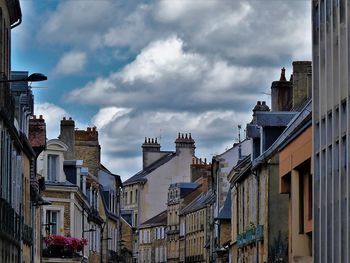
[[250, 236], [10, 222]]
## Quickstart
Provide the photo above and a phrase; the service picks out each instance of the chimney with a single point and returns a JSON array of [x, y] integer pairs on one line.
[[281, 93], [37, 134], [302, 83], [205, 184], [67, 135], [150, 151], [185, 141], [260, 106]]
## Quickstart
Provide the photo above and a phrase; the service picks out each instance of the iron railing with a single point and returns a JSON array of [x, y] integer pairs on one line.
[[10, 222]]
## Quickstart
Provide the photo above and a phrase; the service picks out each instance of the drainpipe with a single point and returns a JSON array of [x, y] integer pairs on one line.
[[257, 212]]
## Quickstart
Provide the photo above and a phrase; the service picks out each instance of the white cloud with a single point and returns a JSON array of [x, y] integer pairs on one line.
[[53, 114], [71, 62], [182, 66], [123, 136], [166, 76]]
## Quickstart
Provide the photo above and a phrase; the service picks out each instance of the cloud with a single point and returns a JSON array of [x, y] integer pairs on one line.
[[70, 63], [165, 76], [53, 114], [180, 66], [123, 133]]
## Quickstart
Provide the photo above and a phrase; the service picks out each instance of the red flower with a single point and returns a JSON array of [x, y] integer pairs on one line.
[[74, 243]]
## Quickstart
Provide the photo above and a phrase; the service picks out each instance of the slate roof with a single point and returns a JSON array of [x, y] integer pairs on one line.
[[299, 123], [126, 215], [158, 220], [225, 212], [105, 199], [201, 201], [140, 176], [242, 169]]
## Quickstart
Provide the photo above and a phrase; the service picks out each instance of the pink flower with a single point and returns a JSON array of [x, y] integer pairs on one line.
[[74, 243]]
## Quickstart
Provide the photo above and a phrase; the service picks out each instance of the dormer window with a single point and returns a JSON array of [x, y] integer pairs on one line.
[[52, 167]]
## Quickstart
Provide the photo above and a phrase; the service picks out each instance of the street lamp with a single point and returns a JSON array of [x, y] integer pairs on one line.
[[35, 77]]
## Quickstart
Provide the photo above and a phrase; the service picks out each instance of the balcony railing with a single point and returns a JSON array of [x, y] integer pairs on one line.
[[251, 235], [196, 258], [10, 221]]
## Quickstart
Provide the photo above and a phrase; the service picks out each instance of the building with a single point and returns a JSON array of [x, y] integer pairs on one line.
[[222, 164], [259, 212], [176, 196], [330, 25], [37, 139], [83, 205], [153, 239], [66, 192], [223, 221], [295, 151], [110, 187], [195, 236], [14, 154], [145, 194], [127, 235]]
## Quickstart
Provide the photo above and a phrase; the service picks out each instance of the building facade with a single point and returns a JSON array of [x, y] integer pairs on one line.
[[176, 201], [196, 222], [145, 194], [296, 181], [330, 31], [153, 240]]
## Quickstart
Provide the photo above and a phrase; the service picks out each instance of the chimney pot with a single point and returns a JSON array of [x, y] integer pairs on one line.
[[64, 118], [34, 117], [70, 118], [259, 102], [40, 117], [186, 136]]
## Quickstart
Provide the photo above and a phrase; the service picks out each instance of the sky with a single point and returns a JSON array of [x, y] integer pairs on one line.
[[137, 69]]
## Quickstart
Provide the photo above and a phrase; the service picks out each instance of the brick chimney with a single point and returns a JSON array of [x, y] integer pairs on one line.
[[67, 135], [37, 134], [302, 83], [281, 93], [88, 149]]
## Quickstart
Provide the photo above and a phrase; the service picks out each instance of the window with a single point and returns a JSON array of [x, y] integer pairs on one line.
[[135, 220], [52, 167], [130, 197], [52, 222]]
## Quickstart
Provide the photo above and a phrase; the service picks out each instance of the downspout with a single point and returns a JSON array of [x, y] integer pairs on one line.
[[257, 212]]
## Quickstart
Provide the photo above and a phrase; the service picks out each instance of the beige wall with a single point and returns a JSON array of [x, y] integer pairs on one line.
[[295, 177]]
